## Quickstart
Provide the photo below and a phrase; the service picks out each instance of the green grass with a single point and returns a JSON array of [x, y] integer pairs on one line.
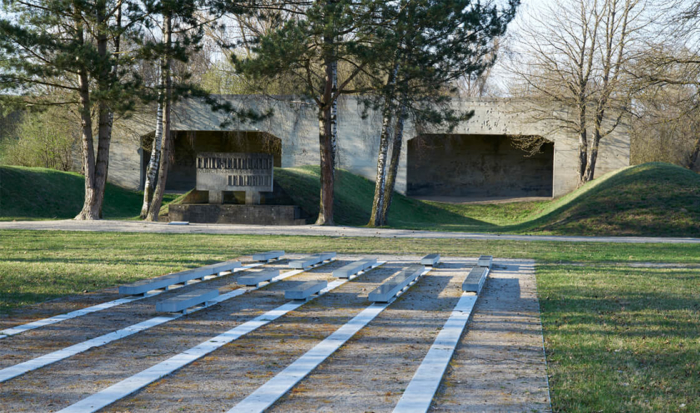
[[621, 339], [617, 338], [40, 193], [654, 199]]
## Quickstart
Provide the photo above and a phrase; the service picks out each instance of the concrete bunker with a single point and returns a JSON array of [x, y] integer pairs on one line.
[[477, 166], [187, 144]]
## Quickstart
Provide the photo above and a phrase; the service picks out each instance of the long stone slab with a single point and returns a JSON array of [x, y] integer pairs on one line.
[[268, 256], [385, 292], [354, 267], [165, 281], [485, 261], [189, 299], [430, 260], [475, 280], [312, 260], [305, 290], [258, 277]]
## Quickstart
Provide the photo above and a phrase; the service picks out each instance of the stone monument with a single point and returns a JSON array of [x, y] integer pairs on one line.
[[219, 172], [250, 172]]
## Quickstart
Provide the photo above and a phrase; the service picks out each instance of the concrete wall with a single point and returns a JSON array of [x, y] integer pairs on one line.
[[296, 124]]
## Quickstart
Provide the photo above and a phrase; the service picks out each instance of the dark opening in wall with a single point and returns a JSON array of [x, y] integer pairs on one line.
[[182, 171], [477, 166]]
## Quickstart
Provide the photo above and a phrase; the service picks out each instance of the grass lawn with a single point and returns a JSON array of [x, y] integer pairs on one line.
[[617, 338]]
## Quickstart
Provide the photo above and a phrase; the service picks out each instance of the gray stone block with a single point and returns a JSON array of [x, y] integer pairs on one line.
[[311, 260], [268, 256], [385, 292], [475, 280], [485, 261], [305, 290], [430, 260], [184, 301], [354, 267], [256, 278], [182, 277]]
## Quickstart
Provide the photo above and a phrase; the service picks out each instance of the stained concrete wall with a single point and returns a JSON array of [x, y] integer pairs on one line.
[[477, 166], [296, 124]]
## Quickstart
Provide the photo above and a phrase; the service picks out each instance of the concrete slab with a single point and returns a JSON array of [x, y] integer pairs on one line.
[[430, 260], [385, 292], [184, 301], [311, 260], [165, 281], [485, 261], [268, 256], [255, 279], [475, 280], [305, 290], [354, 267]]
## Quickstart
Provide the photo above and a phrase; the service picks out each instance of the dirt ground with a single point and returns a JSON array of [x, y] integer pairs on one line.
[[498, 365]]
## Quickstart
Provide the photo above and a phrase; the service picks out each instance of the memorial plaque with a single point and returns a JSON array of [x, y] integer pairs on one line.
[[249, 172]]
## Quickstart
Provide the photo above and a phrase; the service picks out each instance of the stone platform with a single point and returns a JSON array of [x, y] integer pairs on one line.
[[237, 214]]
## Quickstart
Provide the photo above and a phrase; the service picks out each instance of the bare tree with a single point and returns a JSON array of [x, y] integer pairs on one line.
[[576, 57]]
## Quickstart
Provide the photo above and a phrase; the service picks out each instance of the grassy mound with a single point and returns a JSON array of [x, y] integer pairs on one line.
[[651, 199], [39, 193]]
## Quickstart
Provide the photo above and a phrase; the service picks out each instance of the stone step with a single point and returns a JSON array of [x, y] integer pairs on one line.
[[268, 256], [430, 260], [475, 280], [187, 300], [182, 277], [305, 290], [385, 292], [311, 260], [485, 261], [256, 278], [354, 267]]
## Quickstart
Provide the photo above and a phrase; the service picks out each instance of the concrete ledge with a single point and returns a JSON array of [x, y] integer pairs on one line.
[[165, 281], [311, 260], [485, 261], [256, 278], [430, 260], [475, 280], [268, 256], [305, 290], [184, 301], [354, 267], [237, 214], [385, 292]]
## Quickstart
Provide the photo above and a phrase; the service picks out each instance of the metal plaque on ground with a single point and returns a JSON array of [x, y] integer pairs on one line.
[[220, 171]]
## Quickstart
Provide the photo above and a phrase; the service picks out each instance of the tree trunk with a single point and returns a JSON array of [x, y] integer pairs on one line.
[[88, 148], [325, 211], [380, 181], [582, 145], [393, 165], [334, 114], [593, 151], [154, 211], [154, 162], [695, 156], [96, 181]]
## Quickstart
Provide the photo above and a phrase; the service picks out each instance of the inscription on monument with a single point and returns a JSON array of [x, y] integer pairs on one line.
[[249, 172]]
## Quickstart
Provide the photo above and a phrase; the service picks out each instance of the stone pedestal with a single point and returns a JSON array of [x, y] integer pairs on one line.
[[252, 198], [216, 197], [237, 214]]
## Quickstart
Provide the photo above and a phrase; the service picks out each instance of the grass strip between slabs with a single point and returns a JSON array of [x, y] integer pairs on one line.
[[140, 380]]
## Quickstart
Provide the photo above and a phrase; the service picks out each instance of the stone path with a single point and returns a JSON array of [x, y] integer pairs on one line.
[[498, 364], [312, 230]]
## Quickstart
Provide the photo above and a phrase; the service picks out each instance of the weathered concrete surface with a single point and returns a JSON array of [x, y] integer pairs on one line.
[[238, 214], [296, 125], [312, 230]]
